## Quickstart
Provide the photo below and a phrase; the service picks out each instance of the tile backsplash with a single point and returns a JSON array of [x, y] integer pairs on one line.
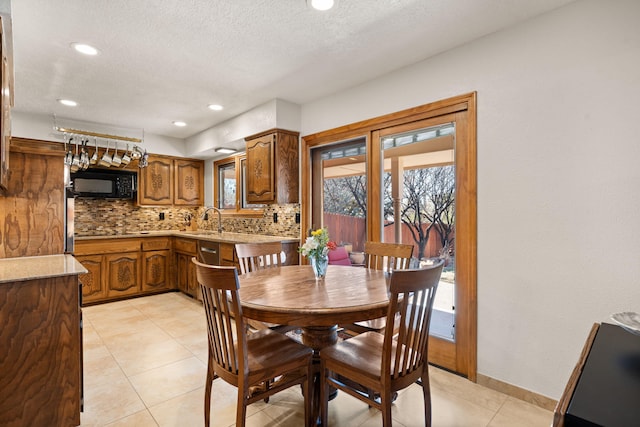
[[99, 217]]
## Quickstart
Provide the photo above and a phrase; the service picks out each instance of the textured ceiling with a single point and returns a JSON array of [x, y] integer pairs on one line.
[[167, 60]]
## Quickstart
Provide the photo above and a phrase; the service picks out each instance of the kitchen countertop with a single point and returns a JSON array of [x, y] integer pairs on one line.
[[214, 236], [39, 267]]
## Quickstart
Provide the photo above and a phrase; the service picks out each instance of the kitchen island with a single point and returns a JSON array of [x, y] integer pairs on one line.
[[40, 341]]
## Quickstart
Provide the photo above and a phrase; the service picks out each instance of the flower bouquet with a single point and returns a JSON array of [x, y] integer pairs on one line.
[[316, 248]]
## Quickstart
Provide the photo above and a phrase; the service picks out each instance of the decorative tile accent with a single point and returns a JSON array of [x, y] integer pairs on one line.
[[99, 217]]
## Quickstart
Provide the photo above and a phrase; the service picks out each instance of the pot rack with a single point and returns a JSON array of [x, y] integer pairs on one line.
[[97, 135], [73, 127]]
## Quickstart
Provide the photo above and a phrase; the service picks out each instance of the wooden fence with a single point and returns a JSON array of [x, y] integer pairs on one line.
[[344, 229]]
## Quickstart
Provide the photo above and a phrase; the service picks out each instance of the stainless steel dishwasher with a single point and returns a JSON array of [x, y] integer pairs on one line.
[[209, 252]]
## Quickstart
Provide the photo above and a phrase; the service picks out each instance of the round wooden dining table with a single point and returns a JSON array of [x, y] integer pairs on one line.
[[290, 295]]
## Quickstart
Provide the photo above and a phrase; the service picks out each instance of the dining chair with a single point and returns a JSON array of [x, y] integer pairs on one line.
[[258, 364], [387, 257], [385, 364], [257, 256]]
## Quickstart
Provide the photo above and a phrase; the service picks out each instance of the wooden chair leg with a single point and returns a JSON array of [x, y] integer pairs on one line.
[[426, 394], [385, 400], [207, 396], [241, 410]]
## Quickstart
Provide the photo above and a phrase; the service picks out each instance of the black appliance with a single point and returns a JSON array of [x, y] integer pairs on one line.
[[104, 184]]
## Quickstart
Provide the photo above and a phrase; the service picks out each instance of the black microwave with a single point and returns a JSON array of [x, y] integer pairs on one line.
[[104, 184]]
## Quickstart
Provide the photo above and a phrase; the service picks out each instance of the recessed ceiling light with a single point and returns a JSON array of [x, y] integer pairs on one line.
[[225, 150], [215, 107], [85, 48], [180, 124], [67, 102], [321, 4]]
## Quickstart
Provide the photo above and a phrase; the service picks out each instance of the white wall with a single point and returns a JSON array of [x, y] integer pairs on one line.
[[558, 177], [36, 126], [276, 113]]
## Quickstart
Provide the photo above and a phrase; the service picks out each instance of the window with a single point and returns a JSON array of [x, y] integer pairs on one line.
[[229, 187]]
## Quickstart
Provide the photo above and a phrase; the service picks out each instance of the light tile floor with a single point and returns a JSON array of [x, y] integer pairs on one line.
[[145, 365]]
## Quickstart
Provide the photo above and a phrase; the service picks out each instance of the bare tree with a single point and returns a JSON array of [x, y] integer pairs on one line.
[[428, 202], [346, 195]]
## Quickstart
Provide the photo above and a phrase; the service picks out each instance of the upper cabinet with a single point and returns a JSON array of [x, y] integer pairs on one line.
[[272, 167], [171, 181], [189, 182], [155, 182]]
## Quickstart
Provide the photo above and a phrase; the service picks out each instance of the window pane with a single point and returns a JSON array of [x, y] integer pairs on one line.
[[227, 186], [419, 208], [344, 193]]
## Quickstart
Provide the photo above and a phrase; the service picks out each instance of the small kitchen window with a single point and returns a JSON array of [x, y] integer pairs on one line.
[[230, 187]]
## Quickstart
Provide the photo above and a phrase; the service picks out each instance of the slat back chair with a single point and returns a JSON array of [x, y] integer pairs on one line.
[[382, 256], [250, 362], [387, 256], [256, 256], [385, 364]]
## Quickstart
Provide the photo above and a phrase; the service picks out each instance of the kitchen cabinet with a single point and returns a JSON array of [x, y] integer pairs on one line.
[[93, 284], [40, 341], [228, 256], [272, 167], [185, 249], [32, 219], [171, 181], [114, 267], [189, 182], [123, 274], [156, 262], [155, 182]]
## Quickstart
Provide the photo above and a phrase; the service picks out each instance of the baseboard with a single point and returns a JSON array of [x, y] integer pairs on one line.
[[517, 392]]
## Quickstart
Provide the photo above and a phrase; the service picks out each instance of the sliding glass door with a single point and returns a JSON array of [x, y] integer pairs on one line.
[[410, 177]]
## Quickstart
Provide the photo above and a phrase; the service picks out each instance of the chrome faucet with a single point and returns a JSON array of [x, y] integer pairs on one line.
[[204, 217]]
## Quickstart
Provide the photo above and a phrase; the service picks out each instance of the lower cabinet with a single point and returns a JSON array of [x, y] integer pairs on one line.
[[124, 267], [155, 270], [123, 274], [228, 255], [185, 249], [93, 283]]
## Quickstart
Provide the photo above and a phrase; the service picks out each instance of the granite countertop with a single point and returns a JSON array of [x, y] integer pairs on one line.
[[39, 267], [213, 236]]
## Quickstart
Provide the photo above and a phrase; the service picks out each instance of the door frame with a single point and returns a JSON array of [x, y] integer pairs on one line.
[[462, 109]]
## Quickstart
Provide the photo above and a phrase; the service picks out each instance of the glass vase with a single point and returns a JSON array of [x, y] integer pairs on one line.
[[319, 265]]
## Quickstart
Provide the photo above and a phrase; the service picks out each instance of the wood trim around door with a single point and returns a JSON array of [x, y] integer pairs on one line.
[[463, 110]]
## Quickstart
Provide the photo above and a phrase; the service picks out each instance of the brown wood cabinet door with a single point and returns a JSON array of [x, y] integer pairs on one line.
[[189, 182], [123, 274], [155, 270], [194, 287], [93, 286], [182, 267], [228, 255], [260, 169], [155, 183]]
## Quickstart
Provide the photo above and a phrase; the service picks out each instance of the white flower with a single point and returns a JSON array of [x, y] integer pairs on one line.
[[309, 245]]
